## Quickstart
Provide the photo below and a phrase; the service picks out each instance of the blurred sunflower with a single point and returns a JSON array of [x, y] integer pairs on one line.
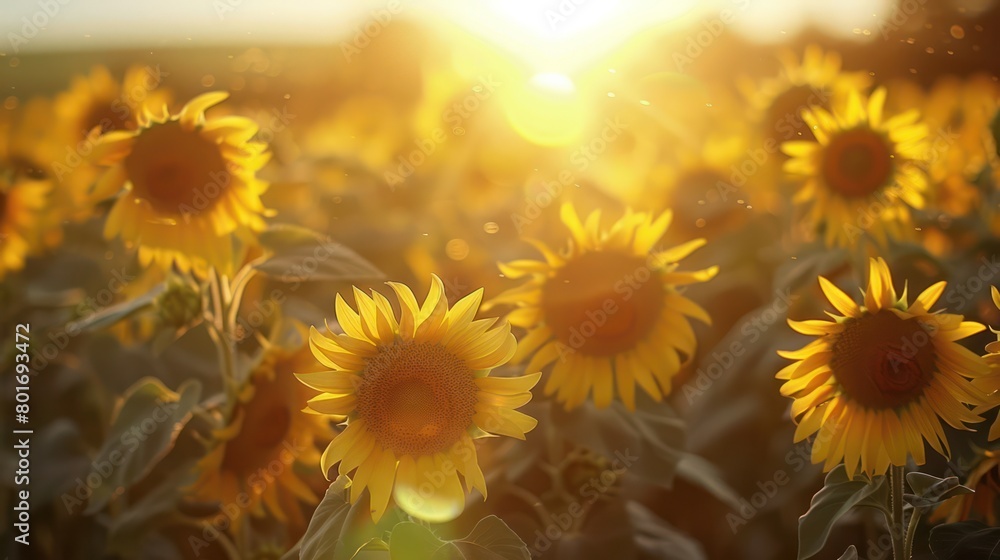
[[26, 221], [254, 461], [881, 376], [190, 185], [862, 171], [93, 105], [985, 480], [608, 312], [958, 112], [991, 383], [815, 81], [415, 392]]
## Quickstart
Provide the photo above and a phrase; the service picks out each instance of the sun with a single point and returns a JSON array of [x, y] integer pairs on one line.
[[863, 173], [190, 183], [608, 313], [415, 392], [880, 378]]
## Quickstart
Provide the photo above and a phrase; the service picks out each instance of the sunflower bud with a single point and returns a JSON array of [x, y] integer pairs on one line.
[[179, 305]]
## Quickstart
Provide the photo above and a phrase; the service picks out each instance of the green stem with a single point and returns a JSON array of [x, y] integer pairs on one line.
[[896, 475], [911, 531]]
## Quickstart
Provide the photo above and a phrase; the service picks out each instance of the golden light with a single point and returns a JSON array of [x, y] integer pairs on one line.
[[547, 109]]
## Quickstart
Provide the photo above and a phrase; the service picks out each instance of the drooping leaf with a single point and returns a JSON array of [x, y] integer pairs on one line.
[[148, 419], [658, 539], [966, 540], [929, 491], [302, 255], [109, 316], [323, 533], [838, 495], [699, 471], [850, 554]]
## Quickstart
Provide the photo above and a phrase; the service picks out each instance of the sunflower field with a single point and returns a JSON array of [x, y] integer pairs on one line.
[[500, 280]]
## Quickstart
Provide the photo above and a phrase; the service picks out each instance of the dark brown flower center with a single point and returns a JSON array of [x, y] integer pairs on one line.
[[176, 170], [267, 418], [883, 361], [857, 163], [602, 303], [417, 398]]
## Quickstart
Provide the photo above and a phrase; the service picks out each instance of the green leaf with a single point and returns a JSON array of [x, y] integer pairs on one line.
[[412, 541], [850, 554], [109, 316], [699, 471], [323, 533], [127, 528], [490, 539], [302, 255], [148, 419], [929, 491], [658, 539], [838, 495], [967, 540]]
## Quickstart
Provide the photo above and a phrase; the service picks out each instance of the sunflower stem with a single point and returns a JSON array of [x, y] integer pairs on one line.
[[222, 332], [896, 476], [911, 531]]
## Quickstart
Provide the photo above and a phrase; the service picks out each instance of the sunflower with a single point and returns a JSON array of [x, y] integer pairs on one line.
[[190, 185], [94, 104], [26, 222], [881, 376], [862, 171], [984, 478], [255, 456], [815, 81], [991, 383], [609, 312], [415, 391]]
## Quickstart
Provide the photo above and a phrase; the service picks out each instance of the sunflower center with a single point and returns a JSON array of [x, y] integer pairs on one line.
[[883, 361], [266, 420], [602, 303], [417, 398], [178, 171], [857, 162]]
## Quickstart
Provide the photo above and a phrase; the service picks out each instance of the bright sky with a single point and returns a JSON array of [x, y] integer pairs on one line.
[[523, 26]]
